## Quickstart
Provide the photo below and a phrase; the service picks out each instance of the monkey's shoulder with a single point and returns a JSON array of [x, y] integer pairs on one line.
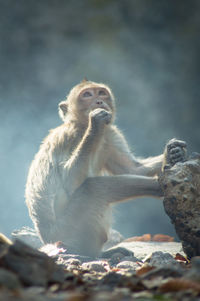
[[52, 151], [58, 135], [61, 140]]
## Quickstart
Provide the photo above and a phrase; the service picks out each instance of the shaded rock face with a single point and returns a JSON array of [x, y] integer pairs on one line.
[[181, 186], [32, 267]]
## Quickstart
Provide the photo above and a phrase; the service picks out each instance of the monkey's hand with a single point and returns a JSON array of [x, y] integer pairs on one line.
[[175, 151], [100, 117]]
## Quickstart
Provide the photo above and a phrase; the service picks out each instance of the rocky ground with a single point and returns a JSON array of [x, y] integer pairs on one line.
[[135, 271]]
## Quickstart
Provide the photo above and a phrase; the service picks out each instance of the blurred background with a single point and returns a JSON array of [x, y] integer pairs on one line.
[[146, 50]]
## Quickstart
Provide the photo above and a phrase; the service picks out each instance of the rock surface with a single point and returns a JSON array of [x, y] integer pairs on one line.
[[29, 274], [32, 266], [28, 236], [181, 186], [143, 249]]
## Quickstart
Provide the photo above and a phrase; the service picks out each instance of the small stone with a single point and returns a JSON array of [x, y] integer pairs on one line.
[[130, 258], [72, 264], [117, 250], [73, 261], [111, 279], [96, 266], [130, 265], [159, 258], [81, 258]]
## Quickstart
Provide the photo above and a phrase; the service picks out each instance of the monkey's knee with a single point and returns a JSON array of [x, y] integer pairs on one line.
[[92, 187]]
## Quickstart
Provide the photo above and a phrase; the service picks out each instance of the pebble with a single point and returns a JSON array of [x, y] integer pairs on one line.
[[159, 258], [130, 265], [81, 258], [73, 261], [100, 266]]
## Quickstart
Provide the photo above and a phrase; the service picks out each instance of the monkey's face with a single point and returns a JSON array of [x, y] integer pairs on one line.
[[86, 97], [92, 98]]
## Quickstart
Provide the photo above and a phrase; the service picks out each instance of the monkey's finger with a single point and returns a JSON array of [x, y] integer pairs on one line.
[[176, 159], [176, 150], [176, 143], [108, 119]]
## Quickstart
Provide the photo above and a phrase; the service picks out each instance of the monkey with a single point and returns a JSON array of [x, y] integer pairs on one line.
[[83, 167]]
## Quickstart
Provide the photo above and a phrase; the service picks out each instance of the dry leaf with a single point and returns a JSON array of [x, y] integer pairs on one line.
[[115, 270], [145, 237], [148, 237], [144, 270], [162, 238], [181, 257]]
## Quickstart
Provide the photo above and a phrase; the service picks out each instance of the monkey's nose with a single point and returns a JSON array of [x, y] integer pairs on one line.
[[99, 102]]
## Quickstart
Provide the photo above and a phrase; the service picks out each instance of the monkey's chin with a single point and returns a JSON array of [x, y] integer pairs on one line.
[[87, 113]]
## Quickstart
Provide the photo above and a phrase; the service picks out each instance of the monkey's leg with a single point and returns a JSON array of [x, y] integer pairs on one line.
[[84, 224], [111, 189], [87, 205], [150, 166]]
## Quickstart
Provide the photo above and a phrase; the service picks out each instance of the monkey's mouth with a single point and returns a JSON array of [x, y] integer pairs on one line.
[[106, 108], [101, 106]]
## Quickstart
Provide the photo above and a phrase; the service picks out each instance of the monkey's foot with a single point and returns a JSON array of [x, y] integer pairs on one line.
[[176, 152]]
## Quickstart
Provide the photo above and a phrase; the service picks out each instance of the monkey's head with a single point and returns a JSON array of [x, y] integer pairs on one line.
[[84, 98]]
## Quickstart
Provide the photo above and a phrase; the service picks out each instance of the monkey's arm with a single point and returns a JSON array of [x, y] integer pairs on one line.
[[175, 151], [150, 166], [121, 161], [78, 167]]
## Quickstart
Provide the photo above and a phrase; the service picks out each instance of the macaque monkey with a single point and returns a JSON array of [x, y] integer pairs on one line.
[[83, 167]]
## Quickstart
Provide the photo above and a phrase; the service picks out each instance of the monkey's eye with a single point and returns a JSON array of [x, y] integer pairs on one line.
[[87, 94], [102, 93]]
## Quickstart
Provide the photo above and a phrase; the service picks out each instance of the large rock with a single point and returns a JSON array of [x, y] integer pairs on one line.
[[32, 267], [181, 186]]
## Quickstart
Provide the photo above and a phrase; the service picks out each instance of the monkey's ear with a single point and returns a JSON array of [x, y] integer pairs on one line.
[[84, 80], [62, 109]]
